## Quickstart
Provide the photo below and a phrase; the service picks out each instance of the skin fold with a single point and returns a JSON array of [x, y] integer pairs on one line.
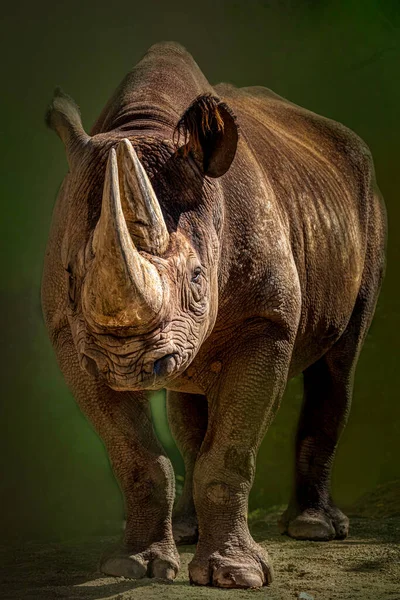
[[213, 241]]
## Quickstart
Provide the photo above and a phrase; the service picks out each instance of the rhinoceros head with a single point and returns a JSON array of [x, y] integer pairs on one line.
[[141, 244]]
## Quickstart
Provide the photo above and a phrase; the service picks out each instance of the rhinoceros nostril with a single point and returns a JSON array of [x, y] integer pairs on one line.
[[165, 365], [90, 365]]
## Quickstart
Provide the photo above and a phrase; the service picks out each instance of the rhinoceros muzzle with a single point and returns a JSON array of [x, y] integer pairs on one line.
[[123, 289], [130, 371]]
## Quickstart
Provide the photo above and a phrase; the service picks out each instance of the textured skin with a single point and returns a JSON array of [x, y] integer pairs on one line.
[[187, 417], [291, 242]]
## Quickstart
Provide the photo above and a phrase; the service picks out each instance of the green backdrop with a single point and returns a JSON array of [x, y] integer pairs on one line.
[[340, 59]]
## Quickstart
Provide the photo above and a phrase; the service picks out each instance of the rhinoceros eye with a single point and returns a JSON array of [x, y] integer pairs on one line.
[[196, 275]]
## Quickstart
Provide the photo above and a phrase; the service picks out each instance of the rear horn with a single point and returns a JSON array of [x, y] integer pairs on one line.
[[139, 202]]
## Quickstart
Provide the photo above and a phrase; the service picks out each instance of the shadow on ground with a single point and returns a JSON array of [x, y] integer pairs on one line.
[[365, 566]]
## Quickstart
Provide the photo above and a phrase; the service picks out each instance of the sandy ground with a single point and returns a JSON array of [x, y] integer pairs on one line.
[[365, 566]]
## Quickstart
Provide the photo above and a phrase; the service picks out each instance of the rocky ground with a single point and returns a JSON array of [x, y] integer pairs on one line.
[[365, 566]]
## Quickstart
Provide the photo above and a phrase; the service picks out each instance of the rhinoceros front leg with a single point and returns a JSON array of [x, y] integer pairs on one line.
[[241, 406], [123, 421], [187, 418]]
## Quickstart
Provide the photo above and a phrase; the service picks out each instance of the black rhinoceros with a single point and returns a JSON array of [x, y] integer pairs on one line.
[[213, 241]]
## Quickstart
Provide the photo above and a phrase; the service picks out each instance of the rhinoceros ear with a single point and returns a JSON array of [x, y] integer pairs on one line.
[[210, 131], [64, 117]]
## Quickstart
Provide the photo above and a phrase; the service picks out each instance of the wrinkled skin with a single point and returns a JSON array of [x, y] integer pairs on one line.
[[260, 258]]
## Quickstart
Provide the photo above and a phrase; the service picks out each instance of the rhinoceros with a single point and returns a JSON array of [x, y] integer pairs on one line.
[[214, 241]]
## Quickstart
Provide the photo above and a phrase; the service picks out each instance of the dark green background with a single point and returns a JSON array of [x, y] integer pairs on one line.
[[340, 59]]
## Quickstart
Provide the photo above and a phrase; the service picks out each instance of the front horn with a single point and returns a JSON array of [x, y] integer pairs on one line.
[[122, 288], [139, 202]]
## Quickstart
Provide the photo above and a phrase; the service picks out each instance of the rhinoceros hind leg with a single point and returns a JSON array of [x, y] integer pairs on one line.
[[328, 389], [319, 525], [185, 529], [187, 418]]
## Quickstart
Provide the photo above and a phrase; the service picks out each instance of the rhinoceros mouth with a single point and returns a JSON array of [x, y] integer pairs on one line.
[[164, 370], [131, 366], [165, 365], [134, 362]]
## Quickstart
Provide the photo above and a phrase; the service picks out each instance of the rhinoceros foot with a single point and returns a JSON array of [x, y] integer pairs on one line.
[[232, 567], [155, 562], [314, 524]]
